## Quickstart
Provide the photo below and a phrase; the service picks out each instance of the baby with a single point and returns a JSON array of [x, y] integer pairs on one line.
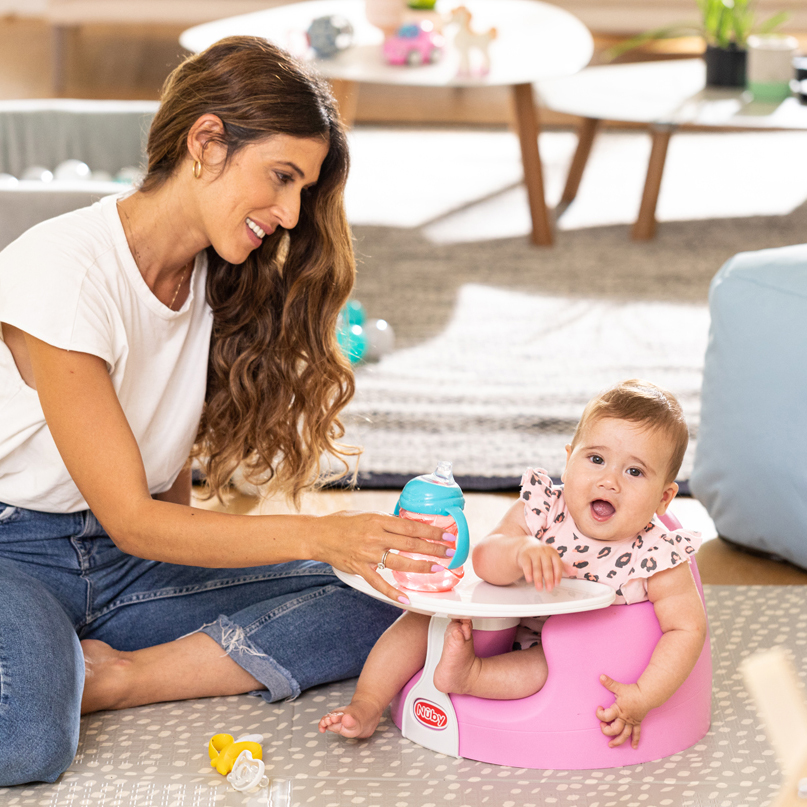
[[620, 471]]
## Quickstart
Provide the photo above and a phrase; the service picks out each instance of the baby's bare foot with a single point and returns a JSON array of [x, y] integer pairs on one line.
[[458, 665], [357, 720], [105, 677]]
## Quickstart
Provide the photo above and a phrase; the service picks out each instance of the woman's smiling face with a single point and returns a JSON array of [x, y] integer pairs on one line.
[[258, 190], [616, 478]]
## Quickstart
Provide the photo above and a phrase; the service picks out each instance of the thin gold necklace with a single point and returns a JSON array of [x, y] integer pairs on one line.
[[136, 256]]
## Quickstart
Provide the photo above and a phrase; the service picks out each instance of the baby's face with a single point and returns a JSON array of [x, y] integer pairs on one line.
[[616, 479]]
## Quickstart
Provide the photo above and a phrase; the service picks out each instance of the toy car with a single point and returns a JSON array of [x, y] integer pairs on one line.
[[414, 44]]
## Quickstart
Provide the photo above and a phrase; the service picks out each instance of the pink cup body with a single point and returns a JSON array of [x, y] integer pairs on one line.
[[430, 581]]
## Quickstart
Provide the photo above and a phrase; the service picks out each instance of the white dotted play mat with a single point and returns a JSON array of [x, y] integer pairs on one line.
[[157, 756]]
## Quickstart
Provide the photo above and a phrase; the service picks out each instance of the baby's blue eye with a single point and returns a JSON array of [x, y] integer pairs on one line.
[[634, 472], [597, 459]]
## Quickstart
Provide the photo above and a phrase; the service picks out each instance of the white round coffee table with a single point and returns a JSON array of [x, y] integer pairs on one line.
[[492, 608], [665, 95], [534, 41]]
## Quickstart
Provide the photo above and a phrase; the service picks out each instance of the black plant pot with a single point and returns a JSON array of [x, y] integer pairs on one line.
[[725, 67]]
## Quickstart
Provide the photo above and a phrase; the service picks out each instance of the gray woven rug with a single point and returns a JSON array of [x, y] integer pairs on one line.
[[156, 756], [499, 343]]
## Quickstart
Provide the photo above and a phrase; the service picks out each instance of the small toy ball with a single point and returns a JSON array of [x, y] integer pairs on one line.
[[72, 170], [354, 312], [353, 341], [329, 35], [350, 332], [8, 180], [37, 173], [415, 43], [130, 174], [380, 339], [101, 176]]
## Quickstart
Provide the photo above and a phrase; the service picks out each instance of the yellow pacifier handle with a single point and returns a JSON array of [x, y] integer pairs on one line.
[[223, 751]]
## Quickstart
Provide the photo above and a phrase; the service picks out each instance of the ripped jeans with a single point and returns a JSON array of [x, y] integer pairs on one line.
[[291, 625]]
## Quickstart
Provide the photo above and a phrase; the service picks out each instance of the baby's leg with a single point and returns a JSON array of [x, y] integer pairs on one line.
[[395, 658], [505, 677]]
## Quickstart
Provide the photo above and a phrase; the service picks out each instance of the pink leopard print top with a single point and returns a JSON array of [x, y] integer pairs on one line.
[[624, 565]]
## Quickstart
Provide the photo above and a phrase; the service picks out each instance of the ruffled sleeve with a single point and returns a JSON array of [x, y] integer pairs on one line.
[[539, 498], [657, 549]]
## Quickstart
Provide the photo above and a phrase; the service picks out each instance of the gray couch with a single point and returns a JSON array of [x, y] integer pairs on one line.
[[107, 135]]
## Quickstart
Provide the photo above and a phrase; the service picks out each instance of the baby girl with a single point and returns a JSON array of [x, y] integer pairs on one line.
[[601, 526]]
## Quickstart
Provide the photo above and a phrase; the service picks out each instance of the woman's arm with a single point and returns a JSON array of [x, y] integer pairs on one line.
[[510, 552], [99, 450], [680, 613]]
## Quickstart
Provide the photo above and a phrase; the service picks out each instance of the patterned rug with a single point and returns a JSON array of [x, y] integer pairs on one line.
[[503, 386], [500, 343], [156, 756]]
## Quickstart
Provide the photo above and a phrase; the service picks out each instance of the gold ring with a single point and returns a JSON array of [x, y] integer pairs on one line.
[[383, 565]]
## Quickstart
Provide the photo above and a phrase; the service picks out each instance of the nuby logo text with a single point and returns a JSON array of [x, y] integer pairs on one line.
[[429, 715]]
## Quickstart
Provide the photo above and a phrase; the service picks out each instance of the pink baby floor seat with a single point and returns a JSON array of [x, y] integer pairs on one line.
[[557, 727]]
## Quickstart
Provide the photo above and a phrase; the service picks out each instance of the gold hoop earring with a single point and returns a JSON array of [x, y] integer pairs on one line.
[[197, 169]]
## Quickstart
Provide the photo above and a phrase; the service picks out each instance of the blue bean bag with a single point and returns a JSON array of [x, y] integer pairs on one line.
[[750, 467]]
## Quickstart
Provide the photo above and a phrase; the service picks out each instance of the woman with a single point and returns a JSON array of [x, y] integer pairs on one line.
[[193, 318]]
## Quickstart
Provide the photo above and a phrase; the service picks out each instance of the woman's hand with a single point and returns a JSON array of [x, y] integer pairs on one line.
[[355, 542], [622, 720], [540, 564]]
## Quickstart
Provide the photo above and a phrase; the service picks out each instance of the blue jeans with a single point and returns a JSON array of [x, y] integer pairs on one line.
[[62, 579]]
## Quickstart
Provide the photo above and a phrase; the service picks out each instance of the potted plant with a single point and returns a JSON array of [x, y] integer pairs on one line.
[[725, 26]]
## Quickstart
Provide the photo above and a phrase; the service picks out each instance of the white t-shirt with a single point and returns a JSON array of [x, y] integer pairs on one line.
[[72, 282]]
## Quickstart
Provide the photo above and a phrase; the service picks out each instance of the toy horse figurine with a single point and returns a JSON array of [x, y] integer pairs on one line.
[[467, 40]]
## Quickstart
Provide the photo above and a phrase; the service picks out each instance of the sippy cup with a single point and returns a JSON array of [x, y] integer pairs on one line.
[[435, 499]]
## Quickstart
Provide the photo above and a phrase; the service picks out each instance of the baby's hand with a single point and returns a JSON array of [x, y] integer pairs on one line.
[[622, 720], [540, 564]]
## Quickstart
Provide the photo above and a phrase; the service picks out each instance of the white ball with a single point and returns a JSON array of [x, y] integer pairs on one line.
[[130, 174], [72, 170], [101, 176], [380, 338], [37, 173], [7, 180]]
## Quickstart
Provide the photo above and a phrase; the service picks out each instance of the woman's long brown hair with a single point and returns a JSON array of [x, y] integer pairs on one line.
[[277, 379]]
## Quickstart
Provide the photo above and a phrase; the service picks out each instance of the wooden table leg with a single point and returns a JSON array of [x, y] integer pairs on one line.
[[585, 139], [527, 127], [60, 37], [645, 227], [347, 97]]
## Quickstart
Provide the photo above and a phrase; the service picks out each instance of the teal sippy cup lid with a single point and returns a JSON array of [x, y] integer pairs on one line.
[[437, 494], [432, 493]]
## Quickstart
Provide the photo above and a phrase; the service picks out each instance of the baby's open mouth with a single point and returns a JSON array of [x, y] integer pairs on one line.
[[602, 510]]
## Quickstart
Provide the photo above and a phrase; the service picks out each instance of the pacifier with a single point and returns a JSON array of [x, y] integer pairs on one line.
[[247, 772], [224, 750]]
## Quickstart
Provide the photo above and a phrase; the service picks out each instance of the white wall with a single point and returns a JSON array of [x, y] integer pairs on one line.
[[615, 16], [23, 8], [634, 16]]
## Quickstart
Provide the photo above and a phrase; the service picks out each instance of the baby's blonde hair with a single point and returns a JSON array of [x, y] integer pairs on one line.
[[641, 402]]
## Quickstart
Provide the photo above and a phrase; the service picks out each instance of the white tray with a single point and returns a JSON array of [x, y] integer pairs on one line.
[[473, 597]]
